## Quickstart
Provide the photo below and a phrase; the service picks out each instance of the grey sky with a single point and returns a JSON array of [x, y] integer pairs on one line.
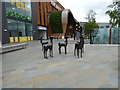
[[80, 8]]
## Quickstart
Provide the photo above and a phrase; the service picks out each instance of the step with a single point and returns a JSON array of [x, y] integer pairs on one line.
[[9, 48]]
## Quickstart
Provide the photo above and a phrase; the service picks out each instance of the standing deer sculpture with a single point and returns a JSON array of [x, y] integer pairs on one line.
[[79, 46], [63, 44], [43, 42], [49, 47]]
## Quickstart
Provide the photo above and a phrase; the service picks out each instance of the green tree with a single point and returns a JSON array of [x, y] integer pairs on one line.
[[114, 14], [91, 24], [91, 16], [88, 27]]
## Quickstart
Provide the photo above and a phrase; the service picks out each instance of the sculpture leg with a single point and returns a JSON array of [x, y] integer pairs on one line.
[[78, 53], [65, 49], [59, 49], [52, 52], [83, 49], [42, 47], [74, 52], [44, 53], [81, 53]]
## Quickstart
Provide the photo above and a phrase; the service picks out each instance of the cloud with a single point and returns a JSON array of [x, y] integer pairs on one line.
[[80, 8]]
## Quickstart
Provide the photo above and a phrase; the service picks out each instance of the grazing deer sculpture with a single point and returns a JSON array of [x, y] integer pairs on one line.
[[43, 42], [79, 45], [48, 46], [63, 44]]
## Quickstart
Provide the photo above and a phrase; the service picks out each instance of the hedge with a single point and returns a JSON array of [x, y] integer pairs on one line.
[[56, 22], [16, 15]]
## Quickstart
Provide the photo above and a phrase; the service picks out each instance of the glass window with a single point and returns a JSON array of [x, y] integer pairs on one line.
[[30, 33], [101, 37], [19, 17], [29, 26], [29, 29], [12, 24], [21, 28], [13, 34], [114, 36]]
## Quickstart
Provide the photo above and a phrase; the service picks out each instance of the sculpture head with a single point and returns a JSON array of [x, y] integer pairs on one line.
[[41, 38], [51, 39]]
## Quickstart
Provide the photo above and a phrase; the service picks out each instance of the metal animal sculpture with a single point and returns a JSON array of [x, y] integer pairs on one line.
[[48, 46], [63, 44], [43, 42], [79, 45]]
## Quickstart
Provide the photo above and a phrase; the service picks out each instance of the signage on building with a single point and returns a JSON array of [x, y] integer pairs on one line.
[[16, 39], [23, 39], [28, 38], [11, 40], [31, 38], [19, 4], [82, 23], [55, 5], [42, 28]]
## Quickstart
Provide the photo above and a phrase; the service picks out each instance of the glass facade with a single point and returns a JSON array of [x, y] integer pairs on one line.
[[102, 36], [115, 36], [19, 19]]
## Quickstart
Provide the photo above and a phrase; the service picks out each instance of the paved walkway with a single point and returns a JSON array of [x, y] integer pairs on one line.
[[27, 68]]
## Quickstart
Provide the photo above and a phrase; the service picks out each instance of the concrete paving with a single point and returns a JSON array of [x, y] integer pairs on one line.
[[26, 68]]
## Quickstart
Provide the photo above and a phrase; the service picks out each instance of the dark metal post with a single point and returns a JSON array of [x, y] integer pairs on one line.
[[91, 37]]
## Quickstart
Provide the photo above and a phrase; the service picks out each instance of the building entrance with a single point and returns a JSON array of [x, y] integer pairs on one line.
[[43, 33]]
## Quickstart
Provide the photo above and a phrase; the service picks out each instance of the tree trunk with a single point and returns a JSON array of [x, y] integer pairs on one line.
[[91, 42]]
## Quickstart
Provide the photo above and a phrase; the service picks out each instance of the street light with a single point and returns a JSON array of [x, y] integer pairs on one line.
[[76, 25]]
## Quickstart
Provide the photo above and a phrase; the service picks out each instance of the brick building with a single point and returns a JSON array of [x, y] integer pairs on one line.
[[43, 11]]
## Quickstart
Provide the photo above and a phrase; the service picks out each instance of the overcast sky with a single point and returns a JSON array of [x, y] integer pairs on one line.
[[80, 8]]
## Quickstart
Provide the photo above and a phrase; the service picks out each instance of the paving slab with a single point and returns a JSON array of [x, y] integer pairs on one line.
[[27, 68]]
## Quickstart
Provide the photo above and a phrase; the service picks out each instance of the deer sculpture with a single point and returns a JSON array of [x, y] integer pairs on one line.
[[79, 46], [63, 44], [43, 42], [48, 46]]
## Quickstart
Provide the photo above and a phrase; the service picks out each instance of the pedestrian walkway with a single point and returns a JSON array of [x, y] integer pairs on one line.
[[31, 43], [27, 68]]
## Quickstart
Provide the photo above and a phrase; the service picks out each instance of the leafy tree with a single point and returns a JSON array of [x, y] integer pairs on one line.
[[91, 16], [114, 14], [91, 22], [88, 27]]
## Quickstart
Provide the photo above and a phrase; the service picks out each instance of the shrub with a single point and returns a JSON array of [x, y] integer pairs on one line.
[[56, 22]]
